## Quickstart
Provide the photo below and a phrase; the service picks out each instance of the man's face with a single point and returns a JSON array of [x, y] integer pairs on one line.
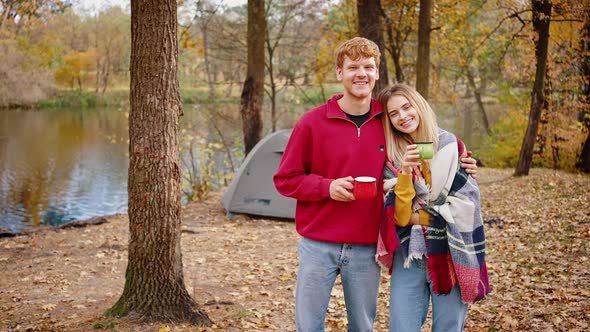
[[358, 77]]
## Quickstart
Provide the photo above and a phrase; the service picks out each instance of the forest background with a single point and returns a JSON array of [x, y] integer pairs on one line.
[[482, 64], [487, 67]]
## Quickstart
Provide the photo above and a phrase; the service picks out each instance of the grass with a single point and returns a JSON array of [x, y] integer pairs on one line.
[[118, 96], [86, 99]]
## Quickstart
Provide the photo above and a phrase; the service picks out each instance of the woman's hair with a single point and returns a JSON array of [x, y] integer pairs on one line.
[[356, 48], [427, 130]]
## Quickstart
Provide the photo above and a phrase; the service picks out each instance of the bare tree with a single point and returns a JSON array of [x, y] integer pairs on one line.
[[398, 27], [541, 20], [154, 282], [288, 12], [205, 13], [291, 28], [253, 90]]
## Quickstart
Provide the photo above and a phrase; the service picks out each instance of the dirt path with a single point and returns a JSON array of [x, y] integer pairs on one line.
[[242, 271]]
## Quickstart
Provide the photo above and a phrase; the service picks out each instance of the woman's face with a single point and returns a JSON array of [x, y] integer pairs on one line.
[[403, 115]]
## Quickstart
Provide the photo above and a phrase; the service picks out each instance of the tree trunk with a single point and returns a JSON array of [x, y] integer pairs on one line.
[[478, 100], [253, 91], [270, 48], [154, 283], [583, 163], [370, 18], [396, 55], [423, 61], [584, 160], [5, 15], [98, 66], [210, 79], [106, 73], [541, 20]]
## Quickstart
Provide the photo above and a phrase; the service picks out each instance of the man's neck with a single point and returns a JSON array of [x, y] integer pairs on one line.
[[354, 106]]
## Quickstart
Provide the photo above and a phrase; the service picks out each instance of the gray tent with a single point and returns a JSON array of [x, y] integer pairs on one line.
[[252, 191]]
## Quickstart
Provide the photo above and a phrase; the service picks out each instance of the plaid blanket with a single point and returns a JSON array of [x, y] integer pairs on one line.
[[455, 241]]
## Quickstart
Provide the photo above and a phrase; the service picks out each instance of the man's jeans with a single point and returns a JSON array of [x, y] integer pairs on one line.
[[410, 297], [319, 265]]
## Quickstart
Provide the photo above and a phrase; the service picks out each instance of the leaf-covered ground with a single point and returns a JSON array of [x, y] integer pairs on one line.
[[242, 271]]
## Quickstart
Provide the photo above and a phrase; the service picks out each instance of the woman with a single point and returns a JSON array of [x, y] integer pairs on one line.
[[432, 239]]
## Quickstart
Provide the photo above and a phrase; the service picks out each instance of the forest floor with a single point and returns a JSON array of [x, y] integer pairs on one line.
[[242, 272]]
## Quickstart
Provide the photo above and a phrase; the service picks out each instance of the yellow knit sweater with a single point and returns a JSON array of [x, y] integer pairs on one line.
[[404, 193]]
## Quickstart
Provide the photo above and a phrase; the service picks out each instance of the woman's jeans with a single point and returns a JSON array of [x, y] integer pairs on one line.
[[319, 265], [410, 297]]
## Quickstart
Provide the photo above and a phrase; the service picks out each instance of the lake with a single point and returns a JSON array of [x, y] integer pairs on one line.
[[65, 165]]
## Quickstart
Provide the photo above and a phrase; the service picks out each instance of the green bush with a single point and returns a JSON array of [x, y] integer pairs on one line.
[[86, 99], [502, 147]]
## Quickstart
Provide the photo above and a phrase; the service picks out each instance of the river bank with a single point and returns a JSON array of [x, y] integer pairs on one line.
[[242, 271]]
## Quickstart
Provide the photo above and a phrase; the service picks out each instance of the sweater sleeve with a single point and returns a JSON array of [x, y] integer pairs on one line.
[[293, 177], [404, 193]]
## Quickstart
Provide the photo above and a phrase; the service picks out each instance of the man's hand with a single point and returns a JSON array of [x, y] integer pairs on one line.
[[470, 165], [340, 189]]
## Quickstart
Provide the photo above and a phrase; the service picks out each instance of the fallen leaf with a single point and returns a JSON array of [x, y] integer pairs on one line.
[[48, 307]]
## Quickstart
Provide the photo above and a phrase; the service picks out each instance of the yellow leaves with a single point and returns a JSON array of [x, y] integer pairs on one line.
[[246, 282], [187, 42], [76, 67], [48, 307], [265, 325], [339, 323], [509, 323], [164, 328]]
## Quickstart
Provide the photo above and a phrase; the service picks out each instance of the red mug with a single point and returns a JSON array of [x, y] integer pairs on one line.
[[365, 187]]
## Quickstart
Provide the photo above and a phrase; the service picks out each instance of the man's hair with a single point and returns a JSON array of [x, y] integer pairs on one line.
[[356, 48]]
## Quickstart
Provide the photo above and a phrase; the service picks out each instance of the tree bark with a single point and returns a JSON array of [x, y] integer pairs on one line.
[[584, 160], [541, 20], [154, 284], [370, 18], [423, 61], [253, 90]]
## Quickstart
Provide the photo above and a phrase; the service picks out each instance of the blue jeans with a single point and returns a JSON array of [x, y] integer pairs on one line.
[[319, 265], [410, 297]]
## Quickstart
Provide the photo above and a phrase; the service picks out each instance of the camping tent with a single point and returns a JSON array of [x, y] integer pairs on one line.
[[252, 191]]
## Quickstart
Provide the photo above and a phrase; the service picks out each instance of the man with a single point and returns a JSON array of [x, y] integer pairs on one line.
[[329, 146]]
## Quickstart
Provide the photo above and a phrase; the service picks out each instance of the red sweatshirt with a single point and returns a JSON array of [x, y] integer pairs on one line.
[[326, 145]]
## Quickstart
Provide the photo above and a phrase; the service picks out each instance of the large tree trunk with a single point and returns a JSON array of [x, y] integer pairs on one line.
[[584, 159], [370, 18], [253, 91], [154, 283], [423, 61], [541, 20]]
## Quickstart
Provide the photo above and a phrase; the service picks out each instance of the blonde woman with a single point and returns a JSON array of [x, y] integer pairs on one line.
[[432, 240]]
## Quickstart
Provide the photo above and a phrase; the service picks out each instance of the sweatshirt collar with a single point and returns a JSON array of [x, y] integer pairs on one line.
[[334, 110]]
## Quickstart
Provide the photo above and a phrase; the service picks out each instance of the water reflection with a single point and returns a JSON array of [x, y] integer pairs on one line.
[[59, 166]]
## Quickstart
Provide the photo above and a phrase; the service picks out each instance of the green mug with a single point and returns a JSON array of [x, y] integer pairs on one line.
[[425, 149]]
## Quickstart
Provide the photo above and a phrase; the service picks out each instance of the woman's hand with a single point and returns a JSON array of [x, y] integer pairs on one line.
[[415, 219], [411, 159], [470, 165]]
